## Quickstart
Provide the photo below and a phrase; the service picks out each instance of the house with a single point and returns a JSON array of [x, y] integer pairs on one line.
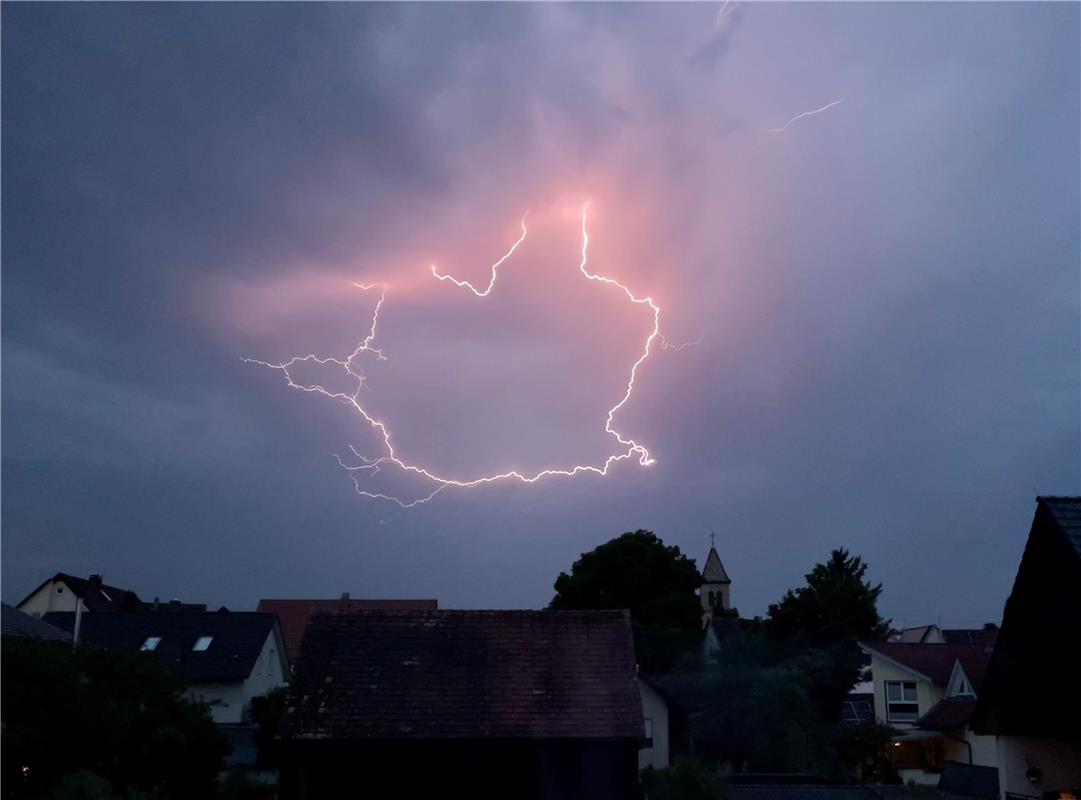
[[481, 704], [226, 657], [656, 751], [716, 589], [910, 680], [1029, 701], [62, 592], [933, 634], [14, 624], [293, 614]]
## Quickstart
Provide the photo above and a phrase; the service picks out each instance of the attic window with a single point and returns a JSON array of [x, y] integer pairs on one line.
[[202, 643], [151, 643]]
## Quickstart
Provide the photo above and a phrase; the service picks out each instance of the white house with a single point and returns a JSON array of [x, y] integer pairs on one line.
[[226, 657], [657, 751]]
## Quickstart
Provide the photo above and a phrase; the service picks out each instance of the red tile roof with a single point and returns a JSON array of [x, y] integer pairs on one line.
[[466, 675], [949, 714], [293, 615], [933, 660]]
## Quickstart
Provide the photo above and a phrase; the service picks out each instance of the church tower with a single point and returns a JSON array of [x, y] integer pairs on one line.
[[716, 585]]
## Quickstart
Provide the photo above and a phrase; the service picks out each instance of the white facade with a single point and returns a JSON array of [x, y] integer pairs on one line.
[[50, 596], [655, 713], [230, 702]]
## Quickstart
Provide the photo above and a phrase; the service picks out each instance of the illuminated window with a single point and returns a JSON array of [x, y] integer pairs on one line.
[[202, 643], [901, 705], [151, 643]]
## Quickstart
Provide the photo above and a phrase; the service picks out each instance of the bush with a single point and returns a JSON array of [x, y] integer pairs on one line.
[[687, 779]]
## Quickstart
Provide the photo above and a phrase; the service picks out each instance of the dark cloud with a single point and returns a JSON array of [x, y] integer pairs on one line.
[[887, 292]]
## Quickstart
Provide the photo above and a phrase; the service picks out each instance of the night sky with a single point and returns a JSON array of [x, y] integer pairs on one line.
[[887, 293]]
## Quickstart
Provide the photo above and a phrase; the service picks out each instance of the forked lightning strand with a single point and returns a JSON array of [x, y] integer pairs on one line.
[[798, 117], [628, 448]]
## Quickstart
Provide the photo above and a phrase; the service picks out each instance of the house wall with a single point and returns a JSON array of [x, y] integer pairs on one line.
[[53, 596], [655, 708], [226, 700], [882, 671], [1059, 760], [268, 673]]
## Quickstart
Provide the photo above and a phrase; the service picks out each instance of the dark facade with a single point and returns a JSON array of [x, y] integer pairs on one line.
[[483, 704]]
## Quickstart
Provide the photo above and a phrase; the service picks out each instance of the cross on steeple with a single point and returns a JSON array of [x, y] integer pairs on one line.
[[712, 539]]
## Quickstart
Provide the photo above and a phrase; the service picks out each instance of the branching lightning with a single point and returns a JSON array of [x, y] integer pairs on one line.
[[366, 466], [798, 117]]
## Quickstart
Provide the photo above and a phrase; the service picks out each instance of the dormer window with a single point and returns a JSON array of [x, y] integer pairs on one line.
[[151, 644], [202, 643]]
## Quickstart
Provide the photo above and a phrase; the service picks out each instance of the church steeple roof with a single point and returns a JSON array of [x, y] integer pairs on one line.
[[714, 572]]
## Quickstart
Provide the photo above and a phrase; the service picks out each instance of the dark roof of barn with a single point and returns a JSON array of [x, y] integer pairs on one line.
[[16, 624], [948, 715], [465, 674], [1067, 513], [293, 614], [238, 638], [96, 596]]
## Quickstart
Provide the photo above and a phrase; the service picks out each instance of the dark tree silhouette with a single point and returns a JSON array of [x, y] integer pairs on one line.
[[90, 720], [657, 583]]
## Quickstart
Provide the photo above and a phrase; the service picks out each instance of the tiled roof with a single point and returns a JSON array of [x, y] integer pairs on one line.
[[1067, 513], [948, 715], [713, 571], [238, 638], [14, 623], [933, 660], [294, 614], [975, 636], [466, 674]]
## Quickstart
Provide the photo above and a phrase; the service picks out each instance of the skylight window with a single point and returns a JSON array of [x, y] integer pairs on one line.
[[202, 643], [151, 643]]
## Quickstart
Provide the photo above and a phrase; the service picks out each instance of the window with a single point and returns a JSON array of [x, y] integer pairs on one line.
[[151, 643], [901, 705], [649, 733], [712, 600], [202, 643]]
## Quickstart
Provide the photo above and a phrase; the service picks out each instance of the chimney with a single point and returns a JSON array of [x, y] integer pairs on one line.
[[94, 581], [175, 602], [157, 603], [345, 595]]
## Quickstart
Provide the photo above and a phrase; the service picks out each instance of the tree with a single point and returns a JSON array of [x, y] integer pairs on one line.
[[657, 583], [79, 720], [834, 612]]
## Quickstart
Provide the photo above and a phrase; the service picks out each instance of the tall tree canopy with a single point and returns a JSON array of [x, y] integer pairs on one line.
[[657, 583], [831, 614], [837, 605]]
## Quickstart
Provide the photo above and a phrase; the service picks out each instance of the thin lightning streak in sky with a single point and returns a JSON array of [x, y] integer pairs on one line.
[[804, 114], [371, 466], [495, 268], [720, 15]]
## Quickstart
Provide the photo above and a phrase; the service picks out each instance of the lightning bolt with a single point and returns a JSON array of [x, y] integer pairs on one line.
[[798, 117], [366, 466]]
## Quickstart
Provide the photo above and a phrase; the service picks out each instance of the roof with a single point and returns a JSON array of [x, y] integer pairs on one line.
[[238, 638], [16, 624], [465, 675], [713, 571], [915, 635], [931, 661], [293, 615], [96, 596], [977, 636], [1041, 629], [950, 714], [1067, 513]]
